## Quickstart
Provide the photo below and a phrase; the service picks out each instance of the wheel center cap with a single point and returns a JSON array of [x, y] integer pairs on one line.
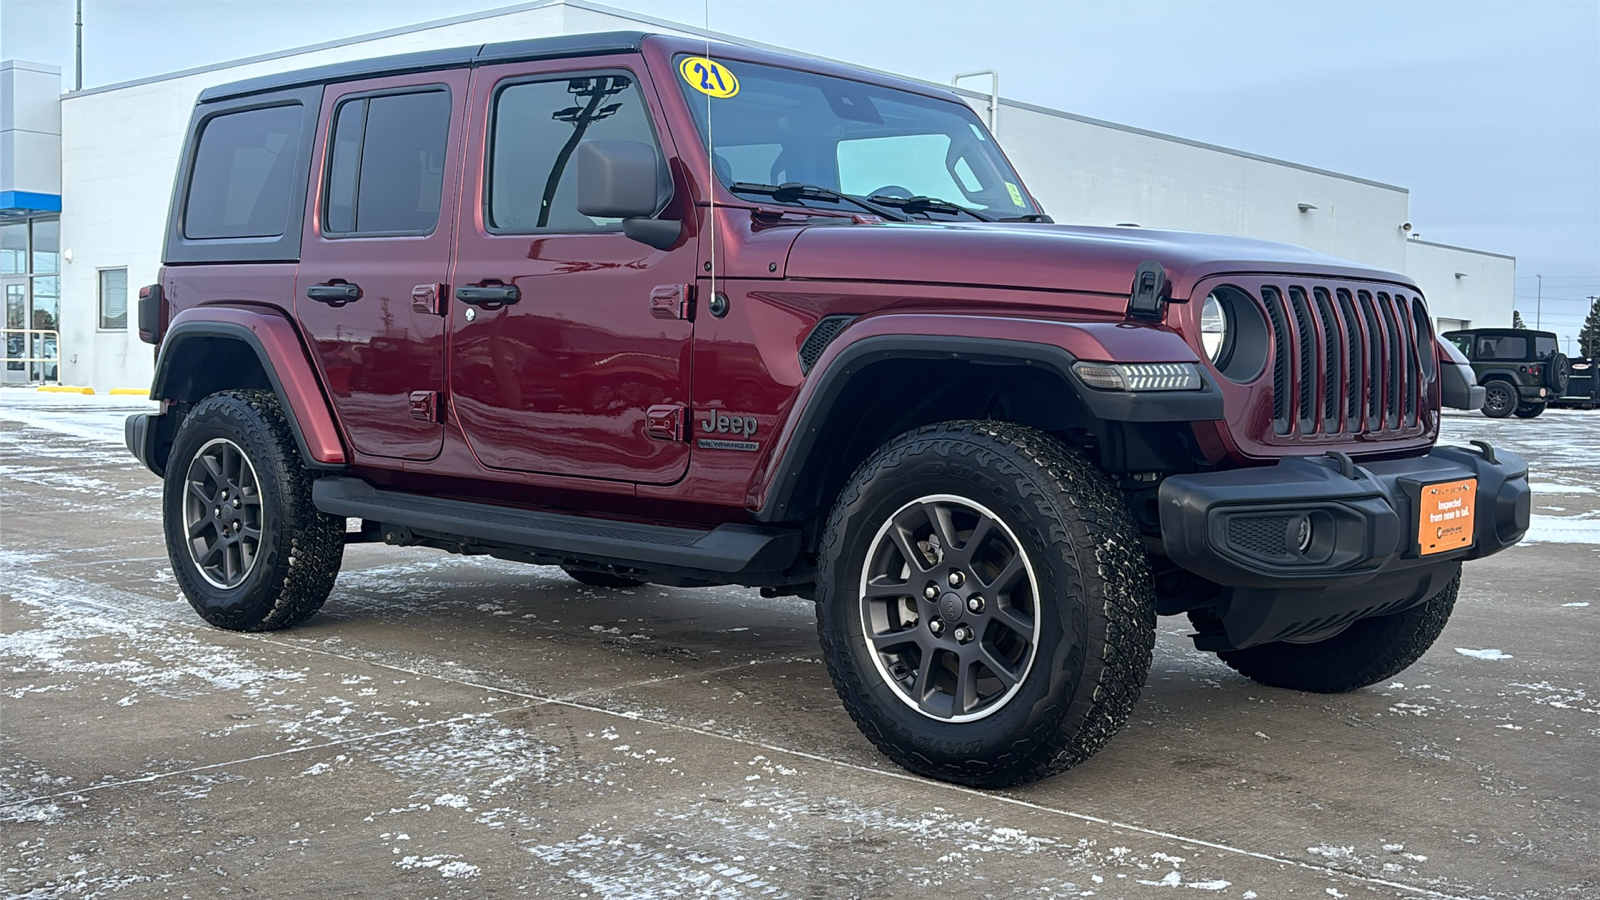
[[951, 607]]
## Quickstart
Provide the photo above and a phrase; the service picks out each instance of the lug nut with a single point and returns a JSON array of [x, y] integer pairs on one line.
[[963, 634], [936, 626], [237, 503], [975, 604], [931, 592], [957, 579]]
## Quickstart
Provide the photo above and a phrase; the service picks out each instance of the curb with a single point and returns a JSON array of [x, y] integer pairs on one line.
[[64, 389]]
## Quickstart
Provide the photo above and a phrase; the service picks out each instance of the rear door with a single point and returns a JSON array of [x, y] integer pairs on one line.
[[586, 372], [376, 253]]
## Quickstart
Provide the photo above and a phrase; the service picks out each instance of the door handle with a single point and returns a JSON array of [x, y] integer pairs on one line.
[[334, 293], [489, 294]]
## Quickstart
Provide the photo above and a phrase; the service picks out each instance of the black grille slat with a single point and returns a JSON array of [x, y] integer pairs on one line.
[[1260, 535], [1393, 375], [1306, 364], [1375, 370], [1353, 378], [1280, 358], [1332, 357]]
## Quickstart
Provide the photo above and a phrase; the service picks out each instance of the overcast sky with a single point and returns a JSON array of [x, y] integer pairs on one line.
[[1489, 112]]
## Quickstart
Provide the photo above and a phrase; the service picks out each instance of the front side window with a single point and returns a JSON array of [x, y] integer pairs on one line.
[[113, 299], [536, 130], [243, 174], [386, 164], [784, 125]]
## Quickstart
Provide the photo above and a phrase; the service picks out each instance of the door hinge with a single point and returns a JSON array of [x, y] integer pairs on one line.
[[664, 422], [672, 301], [428, 298], [425, 406]]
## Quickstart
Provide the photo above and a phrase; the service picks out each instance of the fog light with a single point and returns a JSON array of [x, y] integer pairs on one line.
[[1302, 535]]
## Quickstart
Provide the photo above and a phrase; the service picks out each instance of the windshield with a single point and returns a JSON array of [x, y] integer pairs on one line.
[[772, 126]]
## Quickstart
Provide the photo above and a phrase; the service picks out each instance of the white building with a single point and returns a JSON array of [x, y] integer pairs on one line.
[[119, 148]]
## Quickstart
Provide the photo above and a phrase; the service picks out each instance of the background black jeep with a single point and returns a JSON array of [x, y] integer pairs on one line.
[[1521, 371]]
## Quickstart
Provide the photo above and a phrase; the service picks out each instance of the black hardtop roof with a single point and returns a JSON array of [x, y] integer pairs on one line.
[[559, 47]]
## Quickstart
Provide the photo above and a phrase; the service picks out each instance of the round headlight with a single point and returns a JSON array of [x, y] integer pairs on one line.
[[1214, 328]]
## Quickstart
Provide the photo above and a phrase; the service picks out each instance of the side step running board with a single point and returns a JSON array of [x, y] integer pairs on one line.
[[725, 549]]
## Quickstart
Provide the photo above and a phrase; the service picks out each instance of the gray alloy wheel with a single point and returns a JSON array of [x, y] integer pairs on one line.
[[949, 602], [1499, 399], [222, 513]]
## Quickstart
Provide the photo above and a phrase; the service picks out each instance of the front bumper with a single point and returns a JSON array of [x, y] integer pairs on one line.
[[1304, 545]]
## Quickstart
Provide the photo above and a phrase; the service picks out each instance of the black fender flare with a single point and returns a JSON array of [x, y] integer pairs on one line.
[[788, 462]]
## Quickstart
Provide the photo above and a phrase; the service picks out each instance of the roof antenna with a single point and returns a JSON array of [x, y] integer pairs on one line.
[[711, 167]]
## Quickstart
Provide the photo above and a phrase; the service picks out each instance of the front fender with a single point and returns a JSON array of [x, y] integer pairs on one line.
[[276, 344], [988, 340]]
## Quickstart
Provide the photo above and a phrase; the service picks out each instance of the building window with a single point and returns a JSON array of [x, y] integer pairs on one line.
[[30, 262], [113, 299]]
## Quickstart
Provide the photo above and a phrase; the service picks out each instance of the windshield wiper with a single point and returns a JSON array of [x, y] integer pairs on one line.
[[921, 204], [790, 191]]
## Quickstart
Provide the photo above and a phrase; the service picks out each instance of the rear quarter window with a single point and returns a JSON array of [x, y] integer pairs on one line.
[[243, 176]]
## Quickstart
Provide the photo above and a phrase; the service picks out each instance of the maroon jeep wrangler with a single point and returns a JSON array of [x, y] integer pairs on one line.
[[657, 311]]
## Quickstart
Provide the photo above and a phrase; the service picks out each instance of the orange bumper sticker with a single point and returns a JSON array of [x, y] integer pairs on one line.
[[1446, 515]]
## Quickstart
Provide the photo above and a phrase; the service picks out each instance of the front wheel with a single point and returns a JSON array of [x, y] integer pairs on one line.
[[984, 604], [248, 548], [1367, 652], [1499, 399], [1530, 410]]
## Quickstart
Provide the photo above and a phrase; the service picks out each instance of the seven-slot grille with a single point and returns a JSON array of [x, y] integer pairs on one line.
[[1345, 359]]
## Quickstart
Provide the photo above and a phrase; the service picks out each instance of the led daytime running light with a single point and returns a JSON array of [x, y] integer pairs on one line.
[[1140, 376]]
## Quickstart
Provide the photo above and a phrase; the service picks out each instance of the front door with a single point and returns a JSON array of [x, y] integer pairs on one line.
[[376, 253], [583, 369]]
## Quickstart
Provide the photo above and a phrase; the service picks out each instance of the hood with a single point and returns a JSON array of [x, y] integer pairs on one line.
[[1048, 257]]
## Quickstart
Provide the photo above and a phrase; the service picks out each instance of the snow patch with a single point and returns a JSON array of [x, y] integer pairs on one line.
[[1483, 654]]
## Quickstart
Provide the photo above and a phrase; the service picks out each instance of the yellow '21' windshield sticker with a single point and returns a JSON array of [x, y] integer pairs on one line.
[[1016, 195], [709, 77]]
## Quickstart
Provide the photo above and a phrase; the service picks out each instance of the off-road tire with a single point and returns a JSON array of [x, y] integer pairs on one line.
[[300, 548], [601, 579], [1498, 406], [1557, 373], [1369, 651], [1095, 618], [1530, 410]]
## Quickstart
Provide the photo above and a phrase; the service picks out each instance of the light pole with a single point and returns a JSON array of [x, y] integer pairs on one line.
[[77, 81], [1540, 308]]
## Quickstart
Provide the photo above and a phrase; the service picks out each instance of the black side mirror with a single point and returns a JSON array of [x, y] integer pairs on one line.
[[627, 180]]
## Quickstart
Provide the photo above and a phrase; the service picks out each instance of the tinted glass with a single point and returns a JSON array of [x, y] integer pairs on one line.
[[537, 126], [243, 174], [1508, 346], [46, 246], [787, 125], [1545, 345], [13, 248], [344, 165]]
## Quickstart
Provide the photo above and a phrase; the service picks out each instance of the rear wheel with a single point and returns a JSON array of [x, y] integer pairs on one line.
[[984, 604], [1530, 410], [1367, 652], [1499, 399], [248, 548]]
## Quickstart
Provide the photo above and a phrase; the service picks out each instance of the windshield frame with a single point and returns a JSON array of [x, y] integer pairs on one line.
[[667, 52]]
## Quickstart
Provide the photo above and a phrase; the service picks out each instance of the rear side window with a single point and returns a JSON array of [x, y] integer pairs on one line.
[[1508, 346], [537, 127], [243, 176], [386, 164]]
